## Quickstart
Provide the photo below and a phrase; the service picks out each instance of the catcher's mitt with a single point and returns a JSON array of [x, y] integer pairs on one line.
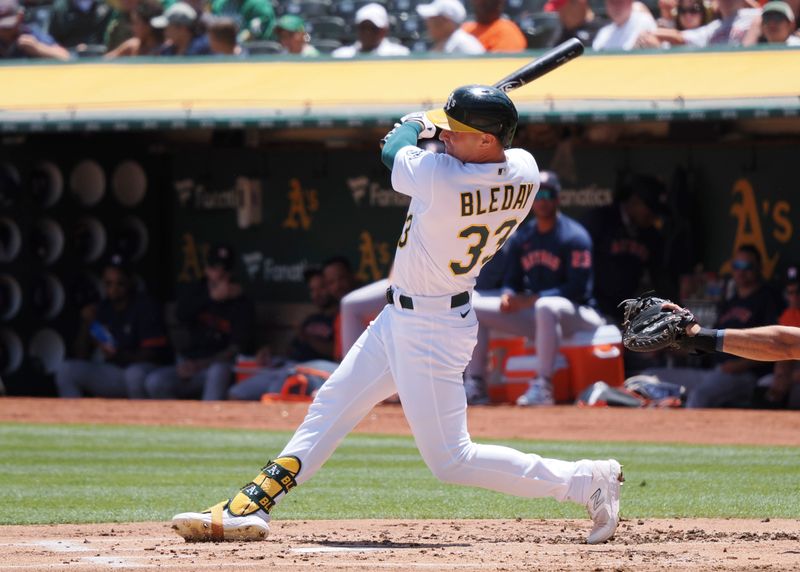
[[647, 327]]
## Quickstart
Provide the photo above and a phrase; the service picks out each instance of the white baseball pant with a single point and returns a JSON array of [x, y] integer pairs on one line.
[[421, 354]]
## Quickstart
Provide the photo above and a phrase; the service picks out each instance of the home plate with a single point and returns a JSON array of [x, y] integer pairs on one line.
[[319, 549]]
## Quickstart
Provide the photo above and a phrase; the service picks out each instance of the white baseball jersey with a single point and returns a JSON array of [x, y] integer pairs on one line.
[[460, 215]]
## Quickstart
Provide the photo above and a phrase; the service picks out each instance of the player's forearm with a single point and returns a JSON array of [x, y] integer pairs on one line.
[[668, 35], [767, 343], [401, 136]]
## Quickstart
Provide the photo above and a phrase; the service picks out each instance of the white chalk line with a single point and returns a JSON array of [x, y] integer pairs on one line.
[[163, 560]]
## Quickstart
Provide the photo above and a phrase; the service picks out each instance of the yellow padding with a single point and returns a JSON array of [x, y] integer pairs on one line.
[[241, 504], [440, 119], [217, 530]]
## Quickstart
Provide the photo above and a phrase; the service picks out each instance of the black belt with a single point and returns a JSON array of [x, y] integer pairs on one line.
[[407, 303]]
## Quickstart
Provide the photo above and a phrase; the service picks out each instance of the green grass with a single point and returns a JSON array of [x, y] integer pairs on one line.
[[80, 473]]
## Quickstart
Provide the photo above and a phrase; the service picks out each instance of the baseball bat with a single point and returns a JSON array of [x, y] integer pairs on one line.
[[542, 65]]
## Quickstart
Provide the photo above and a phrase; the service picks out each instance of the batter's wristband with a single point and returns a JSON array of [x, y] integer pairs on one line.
[[707, 340]]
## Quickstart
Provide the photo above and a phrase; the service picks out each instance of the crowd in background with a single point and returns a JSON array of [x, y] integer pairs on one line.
[[557, 276], [67, 29]]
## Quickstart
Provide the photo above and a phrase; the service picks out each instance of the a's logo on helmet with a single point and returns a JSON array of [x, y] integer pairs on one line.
[[450, 103]]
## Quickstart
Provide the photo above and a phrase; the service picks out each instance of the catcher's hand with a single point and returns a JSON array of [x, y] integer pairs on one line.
[[428, 128], [649, 326]]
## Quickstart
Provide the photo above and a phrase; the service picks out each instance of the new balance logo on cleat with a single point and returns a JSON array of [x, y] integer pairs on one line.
[[597, 498]]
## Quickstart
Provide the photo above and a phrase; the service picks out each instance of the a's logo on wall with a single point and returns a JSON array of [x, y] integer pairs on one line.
[[302, 204], [374, 258], [370, 193], [749, 224], [194, 259]]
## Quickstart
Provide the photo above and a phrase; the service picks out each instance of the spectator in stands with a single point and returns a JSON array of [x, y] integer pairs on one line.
[[372, 27], [785, 387], [255, 18], [546, 294], [578, 20], [120, 27], [146, 40], [497, 34], [629, 20], [19, 40], [443, 19], [690, 15], [667, 14], [738, 26], [778, 24], [313, 342], [220, 323], [627, 245], [732, 382], [75, 22], [291, 33], [120, 340], [222, 32], [181, 30]]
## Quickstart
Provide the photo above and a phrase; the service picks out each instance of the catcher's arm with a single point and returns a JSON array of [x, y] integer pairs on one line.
[[764, 343]]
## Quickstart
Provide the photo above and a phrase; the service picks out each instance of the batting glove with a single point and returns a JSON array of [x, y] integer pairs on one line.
[[419, 117]]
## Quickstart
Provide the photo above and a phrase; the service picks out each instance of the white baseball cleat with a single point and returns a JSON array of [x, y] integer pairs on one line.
[[603, 503], [540, 392], [217, 524]]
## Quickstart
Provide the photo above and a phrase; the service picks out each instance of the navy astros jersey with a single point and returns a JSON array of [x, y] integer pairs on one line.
[[556, 263], [622, 254]]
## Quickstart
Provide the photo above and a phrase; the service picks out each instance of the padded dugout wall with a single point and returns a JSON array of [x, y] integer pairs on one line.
[[66, 205]]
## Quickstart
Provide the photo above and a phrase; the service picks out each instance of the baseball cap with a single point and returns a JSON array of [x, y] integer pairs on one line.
[[179, 14], [549, 186], [650, 190], [451, 9], [778, 7], [291, 23], [374, 13], [221, 255], [9, 13]]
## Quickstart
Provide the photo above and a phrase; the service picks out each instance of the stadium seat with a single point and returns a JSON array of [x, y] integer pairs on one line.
[[515, 8], [308, 8], [262, 47], [401, 6], [326, 46], [541, 29], [347, 8], [407, 27], [328, 28]]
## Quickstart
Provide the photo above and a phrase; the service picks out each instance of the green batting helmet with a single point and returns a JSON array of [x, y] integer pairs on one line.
[[478, 109]]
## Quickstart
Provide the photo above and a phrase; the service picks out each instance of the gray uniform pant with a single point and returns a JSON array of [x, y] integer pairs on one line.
[[710, 387], [547, 322], [77, 378], [209, 384], [359, 306]]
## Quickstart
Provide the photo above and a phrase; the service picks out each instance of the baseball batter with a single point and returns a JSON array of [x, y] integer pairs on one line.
[[465, 204]]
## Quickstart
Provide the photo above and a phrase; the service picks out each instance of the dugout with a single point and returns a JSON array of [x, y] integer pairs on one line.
[[279, 157]]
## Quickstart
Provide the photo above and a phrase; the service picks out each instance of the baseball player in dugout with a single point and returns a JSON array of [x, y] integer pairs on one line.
[[465, 204], [546, 294]]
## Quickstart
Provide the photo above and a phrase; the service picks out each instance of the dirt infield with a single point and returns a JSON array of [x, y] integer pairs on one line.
[[484, 545]]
